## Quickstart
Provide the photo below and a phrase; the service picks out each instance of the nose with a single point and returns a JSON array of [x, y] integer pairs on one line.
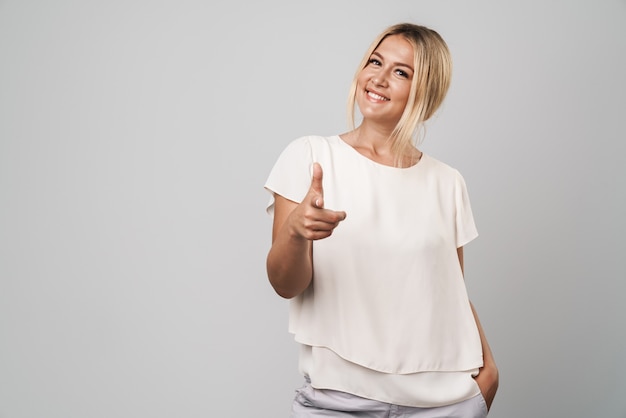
[[379, 79]]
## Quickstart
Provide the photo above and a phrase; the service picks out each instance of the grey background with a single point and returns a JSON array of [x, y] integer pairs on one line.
[[135, 137]]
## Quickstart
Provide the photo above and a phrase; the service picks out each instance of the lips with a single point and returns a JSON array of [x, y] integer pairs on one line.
[[376, 96]]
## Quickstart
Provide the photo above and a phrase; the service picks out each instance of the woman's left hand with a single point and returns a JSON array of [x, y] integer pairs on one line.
[[488, 380]]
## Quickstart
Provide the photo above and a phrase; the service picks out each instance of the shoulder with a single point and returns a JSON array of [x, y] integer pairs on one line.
[[313, 146], [305, 150], [311, 140], [441, 169], [298, 146], [446, 176]]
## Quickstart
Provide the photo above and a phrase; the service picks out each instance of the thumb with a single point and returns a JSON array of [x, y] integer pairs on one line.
[[316, 189]]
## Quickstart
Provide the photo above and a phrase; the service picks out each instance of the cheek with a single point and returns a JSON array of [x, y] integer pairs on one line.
[[364, 76], [361, 81], [403, 94], [360, 89]]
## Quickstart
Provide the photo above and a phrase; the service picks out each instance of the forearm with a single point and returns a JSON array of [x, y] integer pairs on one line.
[[488, 358], [488, 378], [289, 265], [296, 226]]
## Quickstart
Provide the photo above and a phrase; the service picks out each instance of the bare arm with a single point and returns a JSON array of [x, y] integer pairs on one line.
[[296, 226], [488, 377], [289, 262]]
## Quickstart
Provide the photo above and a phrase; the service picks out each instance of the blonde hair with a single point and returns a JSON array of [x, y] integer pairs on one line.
[[431, 80]]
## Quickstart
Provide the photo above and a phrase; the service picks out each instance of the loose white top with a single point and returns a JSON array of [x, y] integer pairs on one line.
[[388, 293]]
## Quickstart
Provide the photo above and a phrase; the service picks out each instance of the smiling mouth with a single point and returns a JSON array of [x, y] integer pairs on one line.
[[376, 96]]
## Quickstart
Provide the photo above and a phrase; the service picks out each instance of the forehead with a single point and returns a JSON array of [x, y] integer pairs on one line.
[[396, 47]]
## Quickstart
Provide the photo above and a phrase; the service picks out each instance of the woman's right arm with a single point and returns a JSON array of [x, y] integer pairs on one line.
[[295, 227]]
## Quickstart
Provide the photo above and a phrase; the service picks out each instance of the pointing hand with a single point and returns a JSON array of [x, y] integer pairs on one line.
[[310, 219]]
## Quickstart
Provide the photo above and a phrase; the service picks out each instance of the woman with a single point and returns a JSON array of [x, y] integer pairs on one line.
[[367, 242]]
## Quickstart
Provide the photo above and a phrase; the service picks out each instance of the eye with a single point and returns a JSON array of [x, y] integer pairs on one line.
[[402, 73], [373, 61]]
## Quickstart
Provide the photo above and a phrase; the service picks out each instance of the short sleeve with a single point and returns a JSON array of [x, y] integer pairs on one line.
[[291, 175], [465, 227]]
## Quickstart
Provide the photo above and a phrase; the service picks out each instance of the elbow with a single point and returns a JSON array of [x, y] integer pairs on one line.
[[284, 287], [286, 283], [284, 293]]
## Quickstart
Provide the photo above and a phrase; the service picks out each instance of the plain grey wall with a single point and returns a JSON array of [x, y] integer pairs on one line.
[[135, 137]]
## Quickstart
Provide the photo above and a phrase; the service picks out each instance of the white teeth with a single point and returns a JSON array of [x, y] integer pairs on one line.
[[376, 96]]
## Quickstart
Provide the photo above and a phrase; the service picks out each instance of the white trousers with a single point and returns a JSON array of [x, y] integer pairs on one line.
[[311, 403]]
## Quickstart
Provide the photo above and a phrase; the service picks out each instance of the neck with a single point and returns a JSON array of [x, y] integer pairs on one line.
[[375, 138], [375, 144]]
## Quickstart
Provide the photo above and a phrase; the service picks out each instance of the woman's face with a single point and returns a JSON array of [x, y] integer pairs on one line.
[[384, 84]]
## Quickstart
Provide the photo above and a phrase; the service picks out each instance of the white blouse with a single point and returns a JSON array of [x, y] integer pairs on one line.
[[387, 315]]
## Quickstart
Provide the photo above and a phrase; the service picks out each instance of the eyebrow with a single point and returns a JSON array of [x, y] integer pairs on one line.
[[395, 63]]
